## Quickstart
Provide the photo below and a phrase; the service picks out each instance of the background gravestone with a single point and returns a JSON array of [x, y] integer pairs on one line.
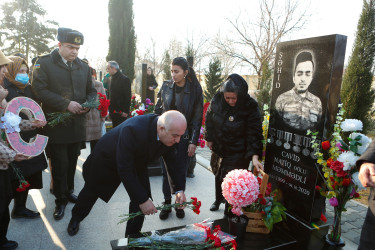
[[290, 160], [140, 86]]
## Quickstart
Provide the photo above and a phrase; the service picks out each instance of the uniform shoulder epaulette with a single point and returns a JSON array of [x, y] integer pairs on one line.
[[44, 55]]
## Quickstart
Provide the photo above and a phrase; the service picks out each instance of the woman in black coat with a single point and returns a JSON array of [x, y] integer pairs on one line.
[[151, 85], [183, 93], [233, 131], [17, 83]]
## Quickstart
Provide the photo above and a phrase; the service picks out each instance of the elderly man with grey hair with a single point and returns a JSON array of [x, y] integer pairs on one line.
[[122, 155], [119, 94]]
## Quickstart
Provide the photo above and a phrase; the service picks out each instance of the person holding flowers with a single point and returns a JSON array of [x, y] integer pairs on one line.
[[62, 83], [7, 156], [233, 132], [95, 118], [122, 155], [16, 81]]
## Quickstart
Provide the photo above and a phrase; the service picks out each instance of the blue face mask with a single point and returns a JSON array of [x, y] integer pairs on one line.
[[22, 78]]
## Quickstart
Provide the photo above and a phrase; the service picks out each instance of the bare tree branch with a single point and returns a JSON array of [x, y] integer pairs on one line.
[[255, 42]]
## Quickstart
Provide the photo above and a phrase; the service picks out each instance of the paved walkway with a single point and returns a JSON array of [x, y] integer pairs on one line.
[[100, 227]]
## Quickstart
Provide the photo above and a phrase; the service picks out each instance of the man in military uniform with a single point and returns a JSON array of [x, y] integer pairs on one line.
[[62, 82], [298, 107]]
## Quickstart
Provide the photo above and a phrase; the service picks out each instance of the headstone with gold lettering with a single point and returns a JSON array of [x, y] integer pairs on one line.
[[305, 96]]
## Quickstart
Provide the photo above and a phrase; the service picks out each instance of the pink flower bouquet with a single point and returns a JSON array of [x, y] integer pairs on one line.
[[240, 188]]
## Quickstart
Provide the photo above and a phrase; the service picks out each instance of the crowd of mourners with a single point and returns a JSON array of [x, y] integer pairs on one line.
[[62, 82]]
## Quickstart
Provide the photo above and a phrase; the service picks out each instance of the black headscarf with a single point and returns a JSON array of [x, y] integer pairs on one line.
[[235, 83]]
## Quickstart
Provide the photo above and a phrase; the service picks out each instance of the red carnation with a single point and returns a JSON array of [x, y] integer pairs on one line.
[[326, 145], [346, 182], [234, 244], [338, 166], [133, 97], [329, 162], [263, 202], [356, 195], [317, 188], [260, 196], [205, 106], [323, 218]]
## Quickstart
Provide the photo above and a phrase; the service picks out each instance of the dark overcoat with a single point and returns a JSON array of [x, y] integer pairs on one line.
[[119, 93], [55, 85], [122, 155]]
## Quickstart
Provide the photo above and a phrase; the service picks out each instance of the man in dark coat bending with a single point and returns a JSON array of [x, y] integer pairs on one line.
[[122, 155]]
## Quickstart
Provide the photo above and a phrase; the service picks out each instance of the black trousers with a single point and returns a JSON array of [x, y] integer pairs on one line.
[[178, 159], [87, 199], [367, 240], [64, 161], [5, 198]]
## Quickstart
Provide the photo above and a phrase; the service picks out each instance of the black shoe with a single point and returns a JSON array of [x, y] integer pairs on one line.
[[73, 227], [164, 214], [215, 206], [180, 213], [190, 175], [72, 198], [59, 212], [24, 213], [9, 245]]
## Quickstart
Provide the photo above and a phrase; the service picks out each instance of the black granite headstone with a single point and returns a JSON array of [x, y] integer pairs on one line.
[[141, 80], [305, 95]]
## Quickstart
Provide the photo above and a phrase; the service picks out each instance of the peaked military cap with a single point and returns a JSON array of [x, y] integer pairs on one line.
[[66, 35]]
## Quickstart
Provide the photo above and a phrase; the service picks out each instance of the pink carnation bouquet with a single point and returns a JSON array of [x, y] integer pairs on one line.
[[240, 188]]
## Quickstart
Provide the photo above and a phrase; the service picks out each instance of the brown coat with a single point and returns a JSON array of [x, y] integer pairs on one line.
[[93, 119]]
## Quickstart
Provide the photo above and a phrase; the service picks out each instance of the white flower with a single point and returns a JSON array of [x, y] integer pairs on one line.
[[142, 107], [364, 140], [357, 182], [351, 125], [349, 159], [11, 122], [134, 113], [138, 98]]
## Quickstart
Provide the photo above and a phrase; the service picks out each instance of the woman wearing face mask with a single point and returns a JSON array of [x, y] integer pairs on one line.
[[16, 81], [183, 93]]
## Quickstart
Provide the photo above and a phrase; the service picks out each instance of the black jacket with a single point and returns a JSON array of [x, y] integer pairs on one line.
[[236, 132], [119, 93], [192, 106], [55, 85], [37, 163], [122, 155]]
